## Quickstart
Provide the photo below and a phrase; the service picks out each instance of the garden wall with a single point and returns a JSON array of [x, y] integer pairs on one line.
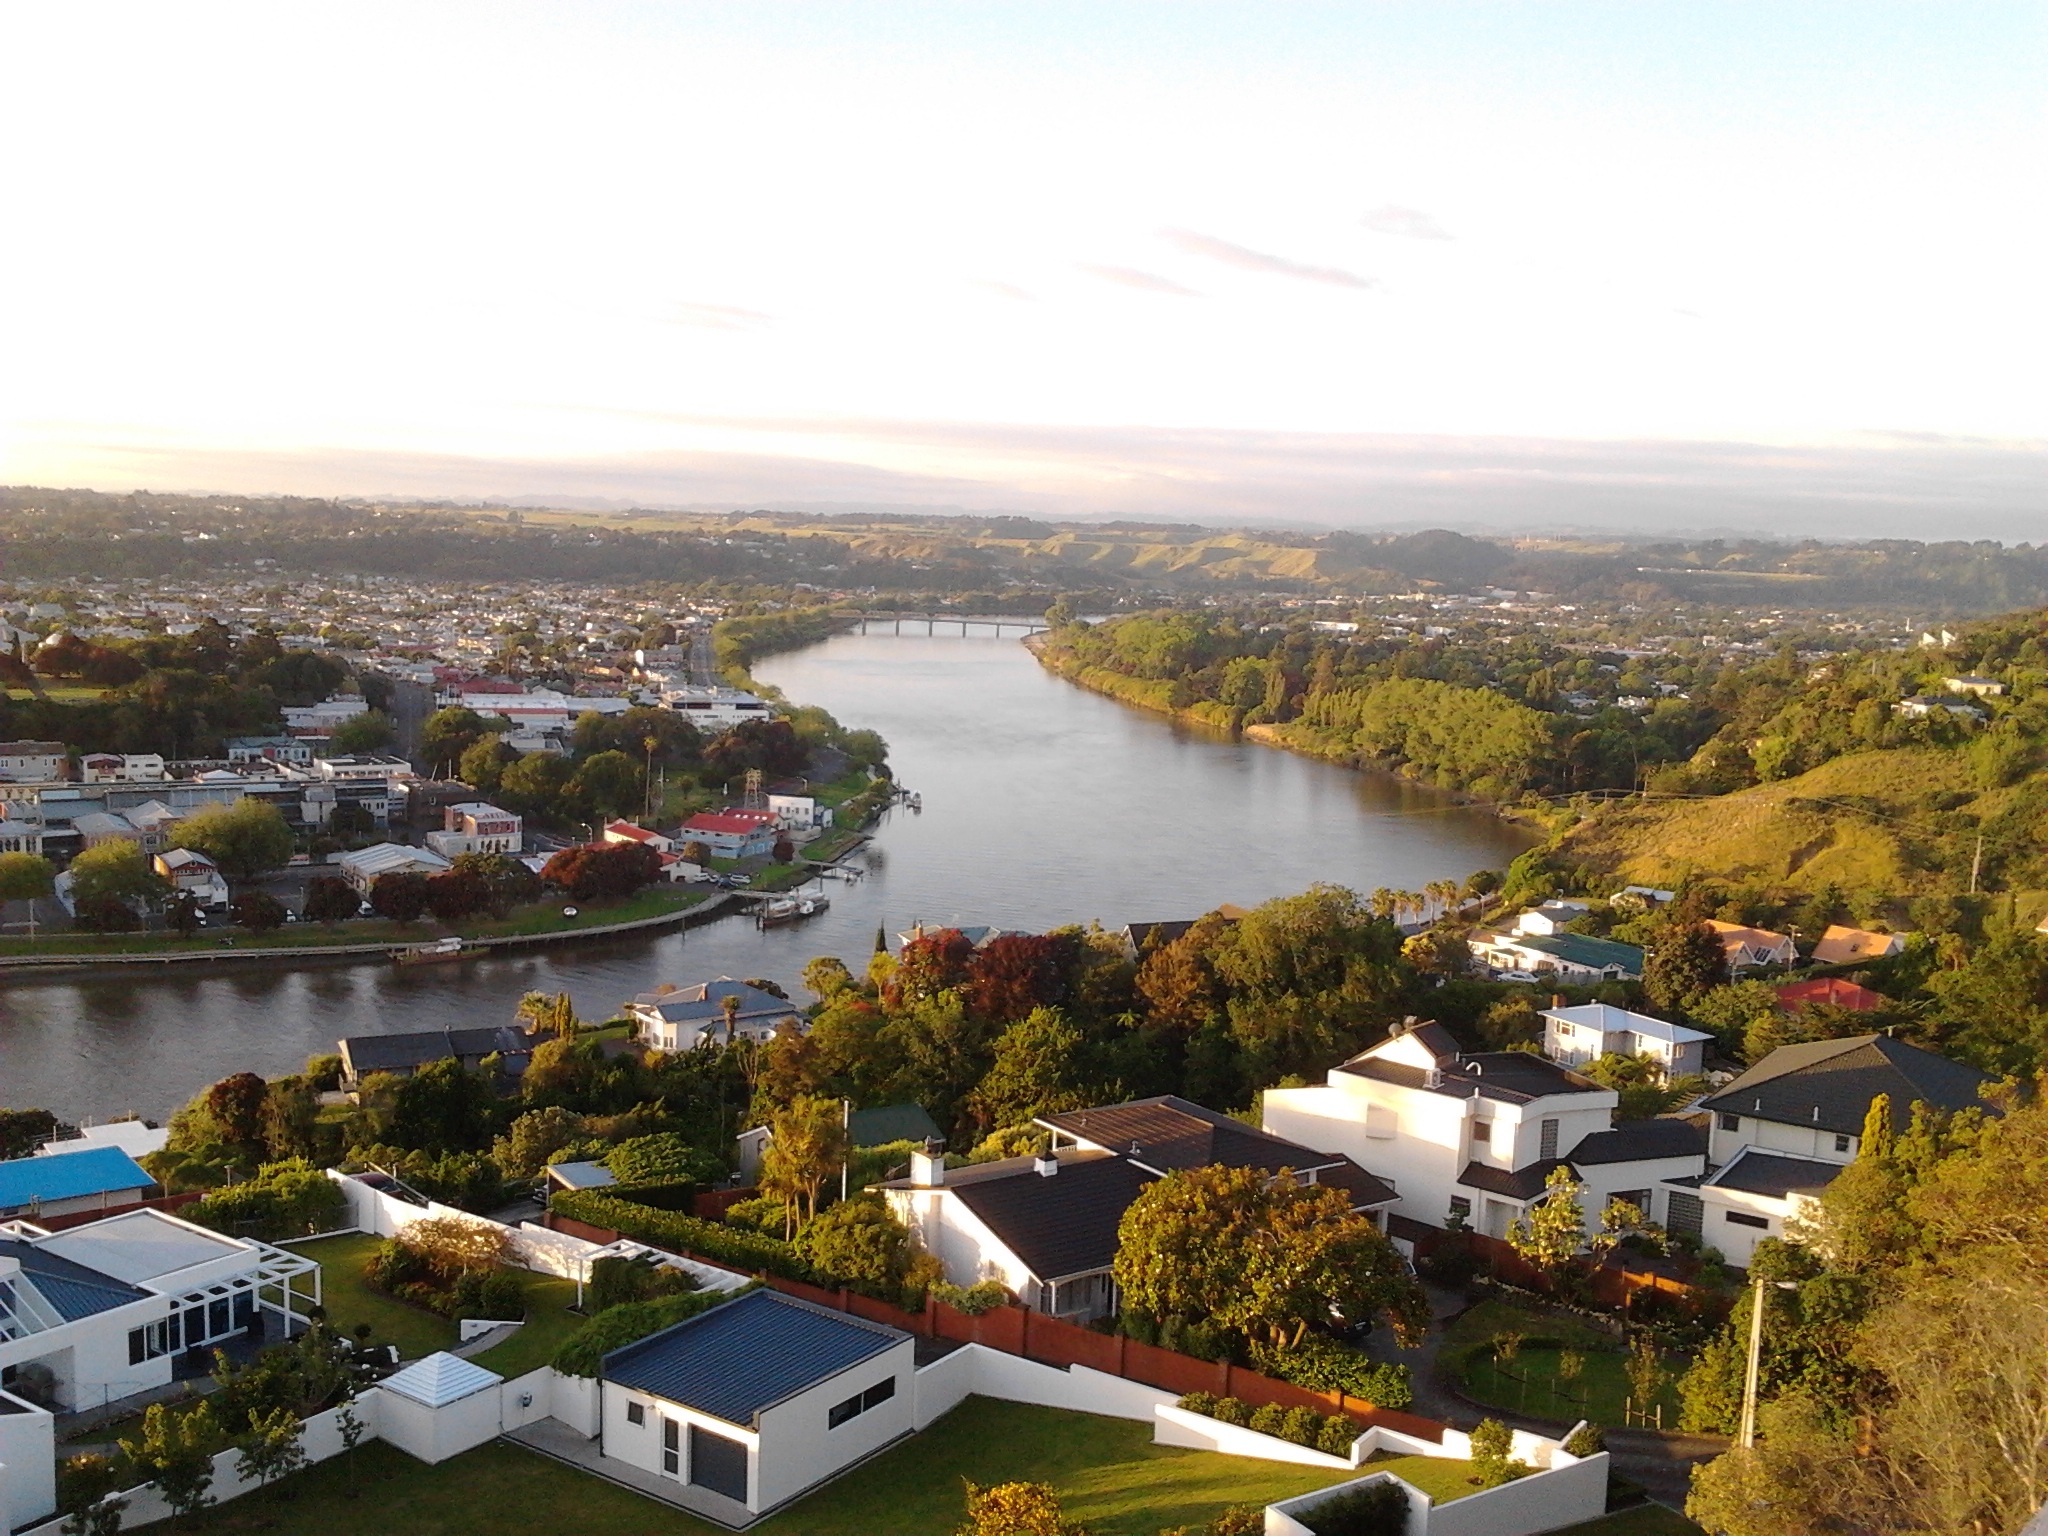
[[975, 1368], [1196, 1431], [1571, 1492]]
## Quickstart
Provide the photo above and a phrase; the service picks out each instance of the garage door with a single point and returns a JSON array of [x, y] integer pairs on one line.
[[718, 1463]]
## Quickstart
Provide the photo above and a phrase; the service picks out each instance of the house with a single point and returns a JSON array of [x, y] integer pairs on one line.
[[714, 710], [1479, 1134], [1568, 957], [1921, 706], [193, 873], [33, 762], [20, 836], [884, 1125], [364, 867], [269, 749], [1804, 1104], [474, 826], [121, 768], [1749, 949], [626, 832], [1140, 939], [63, 1183], [1549, 919], [135, 1137], [403, 1055], [681, 1018], [1045, 1227], [130, 1303], [733, 834], [977, 935], [1976, 687], [755, 1402], [1854, 946], [1576, 1036], [1832, 991], [800, 813]]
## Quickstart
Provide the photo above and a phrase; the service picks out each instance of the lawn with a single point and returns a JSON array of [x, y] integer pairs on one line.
[[1110, 1477], [1532, 1382], [1441, 1477], [350, 1301], [548, 1323], [1644, 1520]]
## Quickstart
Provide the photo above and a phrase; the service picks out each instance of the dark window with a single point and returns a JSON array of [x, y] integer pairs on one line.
[[1549, 1140], [217, 1319], [1744, 1219], [718, 1464], [138, 1349], [1841, 1143], [839, 1413], [636, 1414], [1460, 1206], [1731, 1122], [1482, 1133], [878, 1394], [671, 1447], [1687, 1214]]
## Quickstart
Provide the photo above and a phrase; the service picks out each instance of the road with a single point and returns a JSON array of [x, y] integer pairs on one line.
[[411, 703]]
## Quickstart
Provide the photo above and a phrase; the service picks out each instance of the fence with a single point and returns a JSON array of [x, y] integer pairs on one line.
[[1020, 1331], [1613, 1283], [81, 1218]]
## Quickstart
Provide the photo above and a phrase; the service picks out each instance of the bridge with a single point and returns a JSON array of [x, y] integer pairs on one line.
[[997, 623]]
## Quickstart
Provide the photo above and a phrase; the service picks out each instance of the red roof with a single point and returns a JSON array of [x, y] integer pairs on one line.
[[732, 823], [627, 829], [1832, 990]]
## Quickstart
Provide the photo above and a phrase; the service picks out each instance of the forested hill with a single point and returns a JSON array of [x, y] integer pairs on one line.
[[1798, 769], [55, 534]]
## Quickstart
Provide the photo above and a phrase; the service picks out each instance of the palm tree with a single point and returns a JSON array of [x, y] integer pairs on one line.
[[731, 1004], [535, 1011]]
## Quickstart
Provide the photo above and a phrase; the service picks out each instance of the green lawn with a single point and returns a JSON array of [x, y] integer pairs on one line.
[[1490, 1319], [1531, 1383], [349, 1301], [1110, 1477], [1644, 1520], [548, 1323], [1441, 1477]]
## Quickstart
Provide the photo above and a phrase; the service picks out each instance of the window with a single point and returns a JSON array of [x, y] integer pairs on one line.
[[1841, 1143], [1744, 1219], [1549, 1143], [1461, 1207], [1731, 1122], [149, 1342], [671, 1447], [1482, 1134], [636, 1415], [861, 1402]]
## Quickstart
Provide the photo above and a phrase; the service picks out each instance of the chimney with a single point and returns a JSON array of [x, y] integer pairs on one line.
[[1045, 1165], [1557, 999], [928, 1165]]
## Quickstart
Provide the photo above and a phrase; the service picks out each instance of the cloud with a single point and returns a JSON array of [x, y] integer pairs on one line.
[[1131, 277], [1392, 219], [1007, 290], [717, 317], [1247, 260]]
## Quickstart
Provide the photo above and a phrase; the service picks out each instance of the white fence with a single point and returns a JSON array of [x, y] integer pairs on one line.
[[1564, 1490], [975, 1368]]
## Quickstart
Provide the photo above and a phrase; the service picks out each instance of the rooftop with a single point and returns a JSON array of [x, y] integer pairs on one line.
[[1766, 1173], [1831, 1083], [1629, 1141], [1610, 1020], [69, 1176], [1057, 1226], [746, 1355], [440, 1379], [706, 1000], [142, 1247]]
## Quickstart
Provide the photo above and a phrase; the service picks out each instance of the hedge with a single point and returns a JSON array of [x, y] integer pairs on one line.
[[1324, 1365], [1332, 1434], [583, 1352], [748, 1252]]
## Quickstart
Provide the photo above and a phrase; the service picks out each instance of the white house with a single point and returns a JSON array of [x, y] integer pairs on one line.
[[475, 826], [800, 813], [121, 768], [713, 709], [627, 832], [755, 1402], [103, 1311], [675, 1018], [194, 873], [1549, 919], [1750, 949], [364, 867], [1573, 1037], [33, 762], [21, 836], [1569, 957]]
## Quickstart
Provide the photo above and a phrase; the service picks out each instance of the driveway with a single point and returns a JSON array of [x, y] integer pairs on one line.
[[1660, 1463]]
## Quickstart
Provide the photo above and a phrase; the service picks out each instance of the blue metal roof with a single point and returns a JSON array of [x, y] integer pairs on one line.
[[747, 1355], [72, 1289], [68, 1176]]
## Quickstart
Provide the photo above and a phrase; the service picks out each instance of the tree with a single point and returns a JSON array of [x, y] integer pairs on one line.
[[272, 1449], [1016, 1509], [370, 731], [235, 1106], [1260, 1256], [545, 1015], [244, 839], [25, 876], [176, 1453], [531, 1142], [806, 1144], [258, 911], [447, 734], [400, 896], [116, 871], [505, 882], [483, 763], [1554, 1231], [1639, 1083], [666, 1157], [351, 1429], [603, 871], [329, 900], [1493, 1454], [1037, 1071], [784, 851], [183, 916], [455, 894], [858, 1242], [695, 852], [443, 1107], [1685, 963], [23, 1130], [536, 786], [608, 785]]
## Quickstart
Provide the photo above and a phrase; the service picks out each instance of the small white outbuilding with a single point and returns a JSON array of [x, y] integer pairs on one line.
[[440, 1407]]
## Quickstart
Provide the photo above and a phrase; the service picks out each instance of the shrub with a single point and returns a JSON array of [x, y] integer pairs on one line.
[[284, 1200], [721, 1244], [1492, 1459], [451, 1247], [393, 1265], [1337, 1435], [983, 1296], [583, 1352], [1203, 1403], [1269, 1419], [1232, 1410], [1324, 1365], [1586, 1440], [662, 1158], [1378, 1509], [1304, 1426], [615, 1280], [496, 1295], [860, 1242]]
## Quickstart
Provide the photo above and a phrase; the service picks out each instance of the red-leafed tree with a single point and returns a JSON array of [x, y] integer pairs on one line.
[[400, 896], [930, 964], [1011, 975], [603, 871]]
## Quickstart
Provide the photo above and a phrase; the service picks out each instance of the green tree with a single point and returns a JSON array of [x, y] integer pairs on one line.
[[1685, 963], [483, 763], [665, 1157], [611, 784], [175, 1452], [858, 1242], [371, 731], [244, 839], [536, 786], [531, 1141], [446, 735], [1554, 1231], [274, 1448], [117, 871], [1307, 977], [25, 876], [1037, 1071], [443, 1107], [806, 1144]]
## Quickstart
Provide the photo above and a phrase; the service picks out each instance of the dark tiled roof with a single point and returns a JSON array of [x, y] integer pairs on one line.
[[1512, 1077], [1434, 1038], [74, 1290], [1059, 1226], [706, 1000], [1633, 1140], [1830, 1083], [1364, 1189], [747, 1355], [1516, 1184], [1764, 1173], [1157, 935], [890, 1122], [1168, 1132], [409, 1052]]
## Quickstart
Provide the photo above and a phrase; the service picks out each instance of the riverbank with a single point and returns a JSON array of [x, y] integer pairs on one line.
[[669, 909]]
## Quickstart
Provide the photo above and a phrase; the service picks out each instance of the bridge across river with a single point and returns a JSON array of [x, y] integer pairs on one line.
[[894, 622]]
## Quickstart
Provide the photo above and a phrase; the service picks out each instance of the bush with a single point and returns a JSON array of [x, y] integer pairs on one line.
[[394, 1265], [1492, 1454], [1232, 1410], [1203, 1403], [284, 1200], [615, 1280], [1337, 1435], [496, 1295], [721, 1244], [1378, 1509], [982, 1296], [861, 1243], [1269, 1419], [1304, 1426], [1324, 1365], [1586, 1440], [583, 1352]]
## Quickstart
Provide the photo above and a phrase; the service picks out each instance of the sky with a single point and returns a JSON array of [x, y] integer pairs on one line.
[[1515, 266]]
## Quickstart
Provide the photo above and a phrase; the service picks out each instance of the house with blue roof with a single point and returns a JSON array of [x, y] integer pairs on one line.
[[745, 1407], [61, 1183]]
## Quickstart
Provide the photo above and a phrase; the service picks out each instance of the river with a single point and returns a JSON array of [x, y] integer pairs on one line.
[[1043, 804]]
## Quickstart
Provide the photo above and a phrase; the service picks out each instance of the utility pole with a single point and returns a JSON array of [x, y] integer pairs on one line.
[[1976, 863], [845, 1151], [1747, 1437]]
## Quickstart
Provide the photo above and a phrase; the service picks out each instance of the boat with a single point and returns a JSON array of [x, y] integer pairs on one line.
[[450, 948], [789, 909]]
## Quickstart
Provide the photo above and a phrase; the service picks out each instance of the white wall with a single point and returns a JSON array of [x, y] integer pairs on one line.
[[975, 1368], [1571, 1492], [1771, 1136], [799, 1449], [1196, 1431], [956, 1237], [28, 1462]]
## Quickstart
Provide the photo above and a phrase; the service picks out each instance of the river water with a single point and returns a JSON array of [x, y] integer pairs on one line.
[[1043, 804]]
